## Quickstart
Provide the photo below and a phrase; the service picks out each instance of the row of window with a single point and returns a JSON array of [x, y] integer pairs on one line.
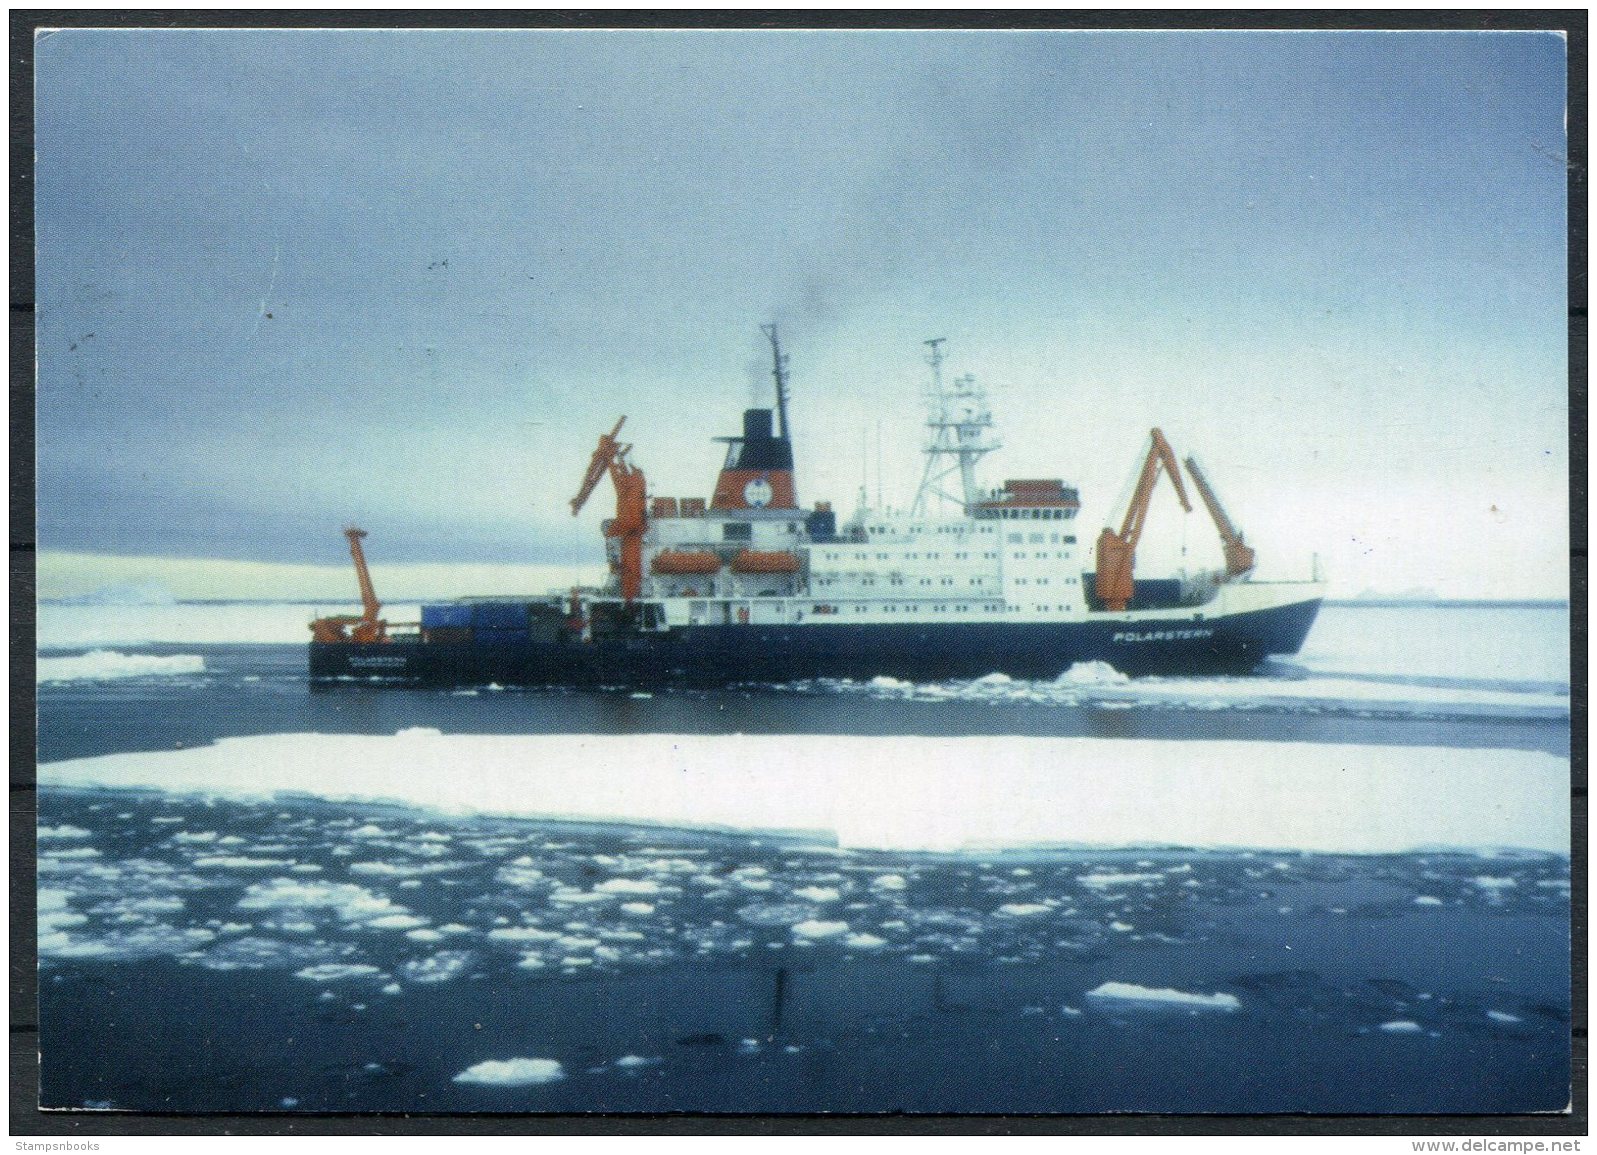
[[909, 609], [892, 581], [1054, 514], [955, 528], [857, 555], [1037, 538]]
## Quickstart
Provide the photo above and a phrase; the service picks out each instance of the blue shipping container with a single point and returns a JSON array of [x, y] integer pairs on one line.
[[445, 617], [482, 637], [499, 615]]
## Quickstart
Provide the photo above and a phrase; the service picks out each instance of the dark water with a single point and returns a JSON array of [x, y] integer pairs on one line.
[[303, 956], [263, 690]]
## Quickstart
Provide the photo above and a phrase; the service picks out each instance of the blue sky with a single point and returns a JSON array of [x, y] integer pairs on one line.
[[291, 279]]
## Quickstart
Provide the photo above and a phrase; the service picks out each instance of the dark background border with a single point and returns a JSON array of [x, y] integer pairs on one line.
[[26, 1119]]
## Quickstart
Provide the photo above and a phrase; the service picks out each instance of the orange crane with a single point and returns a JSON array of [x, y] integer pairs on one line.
[[368, 627], [631, 516], [1117, 552], [1238, 554]]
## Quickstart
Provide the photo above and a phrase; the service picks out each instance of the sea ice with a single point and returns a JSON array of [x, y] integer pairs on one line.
[[512, 1072], [333, 972], [522, 934], [1133, 993], [349, 902], [104, 665], [817, 893], [438, 968], [45, 833], [1105, 878], [905, 792], [819, 928], [1092, 674], [1401, 1027], [241, 862], [629, 886]]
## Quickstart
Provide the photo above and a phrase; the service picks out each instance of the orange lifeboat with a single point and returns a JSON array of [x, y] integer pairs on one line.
[[763, 561], [685, 561]]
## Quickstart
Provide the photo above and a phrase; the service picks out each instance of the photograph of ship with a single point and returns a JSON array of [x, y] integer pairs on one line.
[[788, 572]]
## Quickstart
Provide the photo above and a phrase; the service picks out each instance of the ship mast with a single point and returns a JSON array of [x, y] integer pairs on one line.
[[961, 433], [779, 374]]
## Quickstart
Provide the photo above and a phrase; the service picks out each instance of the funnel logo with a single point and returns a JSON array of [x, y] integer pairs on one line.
[[757, 493]]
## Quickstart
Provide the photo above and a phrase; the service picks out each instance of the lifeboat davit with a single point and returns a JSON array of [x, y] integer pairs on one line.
[[685, 561], [763, 561]]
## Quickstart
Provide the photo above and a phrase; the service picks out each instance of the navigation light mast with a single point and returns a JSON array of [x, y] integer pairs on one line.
[[961, 428]]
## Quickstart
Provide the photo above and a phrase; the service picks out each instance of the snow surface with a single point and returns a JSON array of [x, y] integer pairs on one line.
[[1132, 993], [104, 665], [903, 793]]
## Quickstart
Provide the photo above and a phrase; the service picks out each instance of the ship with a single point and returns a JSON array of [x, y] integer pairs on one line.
[[750, 586]]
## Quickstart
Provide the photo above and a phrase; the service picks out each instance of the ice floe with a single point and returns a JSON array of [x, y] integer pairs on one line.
[[437, 968], [1132, 993], [349, 902], [49, 833], [512, 1072], [817, 893], [819, 928], [906, 793], [629, 886], [105, 665]]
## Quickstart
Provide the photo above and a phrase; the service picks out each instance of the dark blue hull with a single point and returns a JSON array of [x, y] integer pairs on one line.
[[721, 655]]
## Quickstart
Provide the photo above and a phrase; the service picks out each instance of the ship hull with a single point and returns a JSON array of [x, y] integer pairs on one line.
[[708, 655]]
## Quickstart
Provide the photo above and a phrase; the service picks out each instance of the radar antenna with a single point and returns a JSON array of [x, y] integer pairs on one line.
[[961, 428]]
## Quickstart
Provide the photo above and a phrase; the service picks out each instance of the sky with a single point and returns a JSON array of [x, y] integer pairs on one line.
[[290, 280]]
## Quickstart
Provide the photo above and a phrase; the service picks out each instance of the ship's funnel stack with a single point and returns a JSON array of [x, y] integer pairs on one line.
[[758, 473]]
